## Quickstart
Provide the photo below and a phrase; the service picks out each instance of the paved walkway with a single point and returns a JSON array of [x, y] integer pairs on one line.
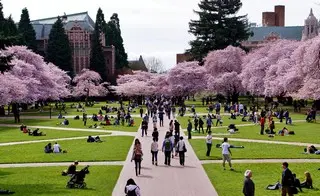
[[259, 141], [161, 180], [113, 132], [59, 164]]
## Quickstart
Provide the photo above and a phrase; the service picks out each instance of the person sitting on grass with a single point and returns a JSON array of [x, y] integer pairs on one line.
[[57, 148], [48, 148], [296, 182], [36, 133], [131, 122], [232, 128], [90, 139], [283, 132], [97, 139], [308, 181], [233, 116], [23, 128]]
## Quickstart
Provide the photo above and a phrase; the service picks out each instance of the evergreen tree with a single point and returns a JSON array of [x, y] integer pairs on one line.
[[26, 30], [217, 27], [97, 60], [59, 51], [113, 37]]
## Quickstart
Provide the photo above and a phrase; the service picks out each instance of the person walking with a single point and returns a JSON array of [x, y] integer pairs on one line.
[[141, 112], [132, 188], [154, 120], [196, 123], [209, 123], [171, 126], [287, 180], [226, 153], [218, 116], [155, 134], [201, 125], [262, 122], [167, 149], [209, 143], [248, 185], [144, 127], [154, 151], [189, 129], [176, 128], [84, 118], [137, 156], [161, 116], [181, 148]]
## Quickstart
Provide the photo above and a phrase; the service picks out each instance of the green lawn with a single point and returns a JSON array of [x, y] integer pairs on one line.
[[251, 151], [73, 124], [112, 149], [230, 183], [48, 181], [304, 132], [9, 134]]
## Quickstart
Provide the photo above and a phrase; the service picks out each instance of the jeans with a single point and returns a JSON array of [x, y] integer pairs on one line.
[[167, 159], [144, 131], [154, 156], [201, 128], [262, 129], [208, 149], [208, 128], [137, 163], [161, 122], [181, 157]]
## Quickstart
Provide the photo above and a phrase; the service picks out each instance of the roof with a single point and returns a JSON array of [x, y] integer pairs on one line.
[[43, 27], [291, 33], [138, 65]]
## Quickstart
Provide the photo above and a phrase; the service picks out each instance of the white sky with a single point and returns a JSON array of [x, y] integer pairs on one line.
[[156, 28]]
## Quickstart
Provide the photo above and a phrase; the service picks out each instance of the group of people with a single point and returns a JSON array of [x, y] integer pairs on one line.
[[30, 132], [56, 148]]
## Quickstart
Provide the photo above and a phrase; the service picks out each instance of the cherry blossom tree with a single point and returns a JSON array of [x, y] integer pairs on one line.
[[32, 78], [88, 83], [187, 78], [224, 68]]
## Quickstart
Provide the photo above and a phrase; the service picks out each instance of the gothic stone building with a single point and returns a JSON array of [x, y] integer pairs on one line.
[[79, 28]]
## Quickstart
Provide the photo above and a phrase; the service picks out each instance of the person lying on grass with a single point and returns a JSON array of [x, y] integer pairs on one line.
[[35, 133], [91, 139]]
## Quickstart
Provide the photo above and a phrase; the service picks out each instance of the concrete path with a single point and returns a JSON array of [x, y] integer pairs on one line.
[[161, 180], [259, 141], [113, 132], [81, 164], [265, 161]]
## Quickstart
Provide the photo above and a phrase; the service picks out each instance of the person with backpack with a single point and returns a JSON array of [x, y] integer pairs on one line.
[[167, 149], [131, 188], [181, 148], [137, 156], [154, 151]]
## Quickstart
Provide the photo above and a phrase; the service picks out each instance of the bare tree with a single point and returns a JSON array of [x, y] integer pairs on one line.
[[154, 65]]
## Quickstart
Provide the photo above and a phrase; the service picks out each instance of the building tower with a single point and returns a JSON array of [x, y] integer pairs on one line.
[[311, 27]]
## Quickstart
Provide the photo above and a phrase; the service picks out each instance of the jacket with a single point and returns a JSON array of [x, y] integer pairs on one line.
[[248, 187], [287, 178]]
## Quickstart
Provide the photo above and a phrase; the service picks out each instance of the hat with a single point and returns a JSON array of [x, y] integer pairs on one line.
[[247, 173]]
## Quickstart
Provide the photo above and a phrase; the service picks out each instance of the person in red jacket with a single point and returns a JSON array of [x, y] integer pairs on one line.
[[262, 122]]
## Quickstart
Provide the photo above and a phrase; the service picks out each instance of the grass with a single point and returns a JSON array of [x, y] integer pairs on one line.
[[230, 183], [9, 134], [47, 181], [304, 132], [73, 124], [251, 151], [112, 149]]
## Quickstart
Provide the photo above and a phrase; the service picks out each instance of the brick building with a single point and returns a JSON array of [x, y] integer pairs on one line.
[[79, 28]]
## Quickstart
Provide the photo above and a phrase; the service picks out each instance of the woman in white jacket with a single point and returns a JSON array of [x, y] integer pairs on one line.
[[132, 188]]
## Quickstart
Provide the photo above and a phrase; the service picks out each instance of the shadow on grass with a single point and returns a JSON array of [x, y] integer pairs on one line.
[[4, 174]]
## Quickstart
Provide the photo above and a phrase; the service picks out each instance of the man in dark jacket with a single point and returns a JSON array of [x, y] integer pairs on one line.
[[287, 180], [248, 185]]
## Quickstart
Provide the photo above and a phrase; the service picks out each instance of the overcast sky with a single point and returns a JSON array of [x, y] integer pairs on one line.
[[157, 28]]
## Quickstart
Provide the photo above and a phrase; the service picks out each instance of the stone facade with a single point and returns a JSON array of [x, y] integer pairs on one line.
[[79, 28], [311, 27]]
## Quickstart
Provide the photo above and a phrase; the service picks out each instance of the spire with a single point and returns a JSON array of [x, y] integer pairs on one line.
[[311, 12]]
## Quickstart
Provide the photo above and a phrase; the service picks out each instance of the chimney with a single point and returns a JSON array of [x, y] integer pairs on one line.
[[280, 15], [268, 19]]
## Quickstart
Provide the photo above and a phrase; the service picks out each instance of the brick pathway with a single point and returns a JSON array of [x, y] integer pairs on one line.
[[162, 180]]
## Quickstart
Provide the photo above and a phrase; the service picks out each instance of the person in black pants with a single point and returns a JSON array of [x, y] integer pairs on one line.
[[181, 147], [201, 125], [167, 149]]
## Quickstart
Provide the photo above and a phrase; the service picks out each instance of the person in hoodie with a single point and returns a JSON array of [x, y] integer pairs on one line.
[[132, 188]]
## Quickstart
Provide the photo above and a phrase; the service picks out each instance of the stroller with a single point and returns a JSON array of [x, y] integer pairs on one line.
[[77, 180]]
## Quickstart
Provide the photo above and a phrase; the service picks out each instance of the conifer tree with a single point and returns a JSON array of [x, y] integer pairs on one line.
[[26, 31], [97, 60], [59, 51], [218, 27], [113, 37]]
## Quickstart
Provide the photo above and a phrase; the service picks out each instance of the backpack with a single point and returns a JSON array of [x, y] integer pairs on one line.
[[167, 145], [132, 192]]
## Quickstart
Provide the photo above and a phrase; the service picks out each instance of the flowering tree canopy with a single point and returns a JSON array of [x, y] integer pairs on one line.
[[187, 78], [31, 79], [88, 83], [223, 68]]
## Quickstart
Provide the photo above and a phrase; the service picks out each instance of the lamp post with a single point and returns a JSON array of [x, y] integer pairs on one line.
[[50, 105]]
